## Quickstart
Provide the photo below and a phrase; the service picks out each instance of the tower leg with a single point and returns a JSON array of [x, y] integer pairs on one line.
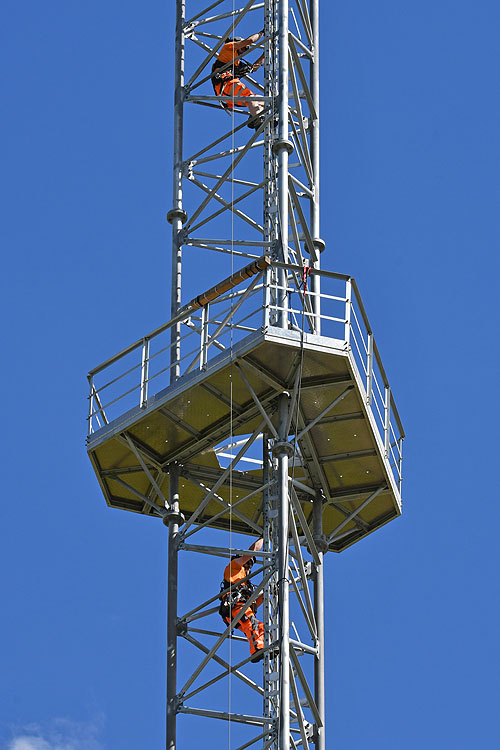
[[282, 450], [268, 589], [319, 601], [173, 553], [282, 149], [177, 215], [314, 141]]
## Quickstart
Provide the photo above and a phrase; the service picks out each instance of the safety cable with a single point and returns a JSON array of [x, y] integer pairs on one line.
[[231, 389], [270, 81], [277, 224]]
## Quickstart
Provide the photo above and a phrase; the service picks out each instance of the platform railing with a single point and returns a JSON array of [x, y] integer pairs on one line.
[[142, 369], [377, 391]]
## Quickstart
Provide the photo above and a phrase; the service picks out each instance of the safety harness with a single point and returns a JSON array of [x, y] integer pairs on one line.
[[232, 594], [234, 72]]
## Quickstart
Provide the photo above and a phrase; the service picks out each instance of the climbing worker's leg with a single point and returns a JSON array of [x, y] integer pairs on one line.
[[235, 90], [257, 637], [253, 629]]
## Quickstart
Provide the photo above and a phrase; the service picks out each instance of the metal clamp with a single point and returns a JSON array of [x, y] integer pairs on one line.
[[177, 213]]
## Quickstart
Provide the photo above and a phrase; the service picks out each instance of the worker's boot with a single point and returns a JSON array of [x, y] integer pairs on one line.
[[255, 121], [258, 655]]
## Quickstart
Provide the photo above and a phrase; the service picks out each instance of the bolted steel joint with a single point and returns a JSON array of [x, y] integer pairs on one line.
[[172, 516], [283, 448], [189, 28], [283, 145], [276, 250], [309, 728], [319, 244], [177, 213], [181, 627], [321, 543]]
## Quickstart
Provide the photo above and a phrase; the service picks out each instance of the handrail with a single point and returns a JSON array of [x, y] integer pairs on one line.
[[376, 353], [211, 294], [352, 324]]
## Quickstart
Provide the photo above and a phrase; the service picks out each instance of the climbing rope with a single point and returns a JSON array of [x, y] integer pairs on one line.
[[231, 392]]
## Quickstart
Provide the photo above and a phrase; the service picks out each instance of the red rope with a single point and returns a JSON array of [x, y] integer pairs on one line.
[[306, 272]]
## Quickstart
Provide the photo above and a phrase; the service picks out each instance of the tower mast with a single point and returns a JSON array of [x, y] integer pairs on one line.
[[262, 407]]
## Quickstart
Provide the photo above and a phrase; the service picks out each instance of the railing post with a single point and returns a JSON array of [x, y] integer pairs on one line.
[[348, 304], [204, 336], [400, 464], [91, 403], [267, 297], [144, 373], [369, 369], [387, 425]]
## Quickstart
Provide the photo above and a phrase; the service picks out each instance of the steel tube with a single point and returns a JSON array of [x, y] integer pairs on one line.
[[387, 421], [267, 602], [282, 149], [319, 662], [144, 373], [173, 530], [314, 147], [299, 646], [325, 412], [229, 628], [140, 495], [282, 450], [225, 716], [400, 464], [348, 306], [222, 551], [91, 404], [331, 537], [234, 669], [369, 367], [176, 220]]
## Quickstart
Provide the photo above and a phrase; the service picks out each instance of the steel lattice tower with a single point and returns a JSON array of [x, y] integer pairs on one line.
[[262, 406]]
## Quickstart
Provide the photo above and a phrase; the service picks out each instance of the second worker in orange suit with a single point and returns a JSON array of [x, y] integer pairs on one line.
[[227, 71], [235, 592]]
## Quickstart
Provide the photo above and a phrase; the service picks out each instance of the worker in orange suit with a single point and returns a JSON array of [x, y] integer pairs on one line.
[[235, 592], [227, 71]]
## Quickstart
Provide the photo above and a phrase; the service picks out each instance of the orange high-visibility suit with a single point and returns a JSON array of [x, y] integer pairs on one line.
[[252, 627], [227, 83]]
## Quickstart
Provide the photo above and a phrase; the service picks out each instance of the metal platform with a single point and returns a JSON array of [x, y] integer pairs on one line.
[[343, 453]]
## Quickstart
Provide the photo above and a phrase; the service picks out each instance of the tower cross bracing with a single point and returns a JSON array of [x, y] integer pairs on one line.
[[262, 407]]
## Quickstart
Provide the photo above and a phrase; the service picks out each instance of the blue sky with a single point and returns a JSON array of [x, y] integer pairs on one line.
[[410, 196]]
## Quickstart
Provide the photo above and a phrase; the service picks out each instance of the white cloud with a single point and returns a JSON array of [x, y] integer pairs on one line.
[[27, 742], [60, 734]]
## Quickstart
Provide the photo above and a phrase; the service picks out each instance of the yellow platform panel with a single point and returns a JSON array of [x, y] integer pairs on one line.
[[342, 456]]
